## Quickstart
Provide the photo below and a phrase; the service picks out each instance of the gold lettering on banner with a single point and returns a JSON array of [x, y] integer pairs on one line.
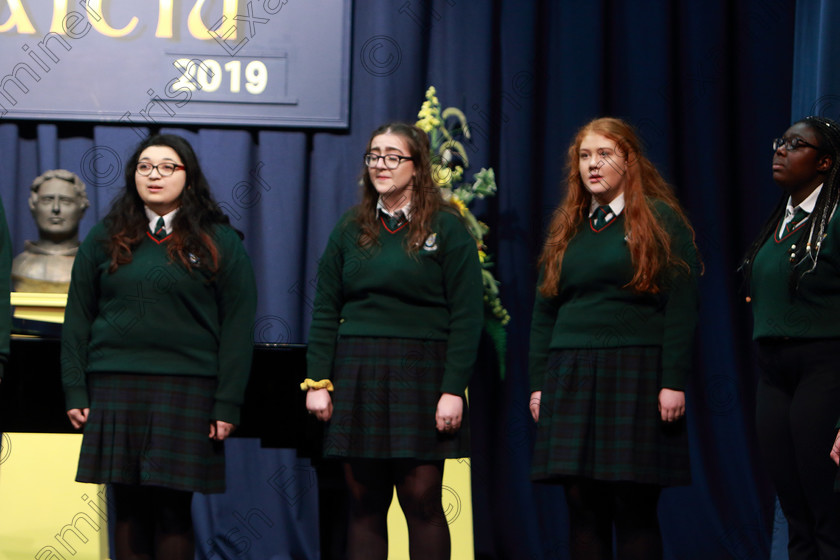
[[200, 31], [164, 27], [94, 10], [59, 13], [18, 19]]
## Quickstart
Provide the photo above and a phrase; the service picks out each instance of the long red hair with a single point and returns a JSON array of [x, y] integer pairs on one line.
[[647, 239]]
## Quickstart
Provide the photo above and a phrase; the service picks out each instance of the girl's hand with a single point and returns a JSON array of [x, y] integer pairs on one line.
[[534, 405], [220, 430], [671, 405], [78, 417], [319, 403], [450, 410]]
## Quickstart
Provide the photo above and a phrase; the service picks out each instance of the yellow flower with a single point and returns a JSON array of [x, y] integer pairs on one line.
[[482, 256], [426, 110], [441, 175], [459, 204], [457, 173]]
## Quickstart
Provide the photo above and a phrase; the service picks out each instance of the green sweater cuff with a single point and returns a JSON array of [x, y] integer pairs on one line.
[[76, 397], [457, 385], [226, 412], [673, 380], [536, 382]]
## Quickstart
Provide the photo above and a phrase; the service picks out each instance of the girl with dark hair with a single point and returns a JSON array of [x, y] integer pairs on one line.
[[395, 329], [156, 348], [611, 342], [793, 274]]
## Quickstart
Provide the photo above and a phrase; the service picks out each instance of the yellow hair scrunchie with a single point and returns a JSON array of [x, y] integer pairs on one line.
[[312, 384]]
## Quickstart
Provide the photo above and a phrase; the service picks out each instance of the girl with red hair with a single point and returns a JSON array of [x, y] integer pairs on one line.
[[611, 342]]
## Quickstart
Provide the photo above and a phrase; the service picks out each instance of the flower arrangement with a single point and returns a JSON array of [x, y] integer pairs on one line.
[[449, 162]]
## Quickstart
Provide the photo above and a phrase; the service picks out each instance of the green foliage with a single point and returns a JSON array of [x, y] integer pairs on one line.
[[449, 163]]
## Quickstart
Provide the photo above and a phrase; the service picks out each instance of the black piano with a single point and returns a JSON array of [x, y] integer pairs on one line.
[[32, 400]]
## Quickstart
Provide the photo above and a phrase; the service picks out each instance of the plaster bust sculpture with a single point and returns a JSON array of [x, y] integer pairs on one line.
[[58, 201]]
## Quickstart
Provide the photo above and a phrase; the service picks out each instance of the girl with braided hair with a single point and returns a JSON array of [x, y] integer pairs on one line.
[[793, 274]]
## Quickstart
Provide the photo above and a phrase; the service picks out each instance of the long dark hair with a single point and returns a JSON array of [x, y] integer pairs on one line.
[[191, 242], [809, 242], [426, 197], [649, 244]]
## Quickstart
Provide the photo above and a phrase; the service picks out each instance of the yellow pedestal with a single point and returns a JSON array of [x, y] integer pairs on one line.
[[44, 513], [457, 505], [39, 306]]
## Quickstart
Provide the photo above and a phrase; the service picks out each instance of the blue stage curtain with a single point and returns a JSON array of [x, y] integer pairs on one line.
[[816, 83], [708, 84]]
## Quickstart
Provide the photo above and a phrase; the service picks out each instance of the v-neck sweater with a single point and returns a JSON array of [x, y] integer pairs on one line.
[[812, 310], [383, 291], [595, 309], [153, 316]]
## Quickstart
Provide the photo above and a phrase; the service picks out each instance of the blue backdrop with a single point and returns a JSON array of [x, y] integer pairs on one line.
[[708, 85]]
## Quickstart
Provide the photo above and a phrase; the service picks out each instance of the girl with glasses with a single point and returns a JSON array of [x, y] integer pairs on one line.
[[611, 343], [156, 348], [793, 274], [394, 336]]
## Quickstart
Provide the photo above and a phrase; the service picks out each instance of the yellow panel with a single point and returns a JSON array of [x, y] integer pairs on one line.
[[457, 504], [45, 514], [38, 306]]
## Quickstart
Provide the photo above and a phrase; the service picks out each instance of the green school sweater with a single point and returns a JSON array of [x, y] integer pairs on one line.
[[593, 309], [810, 312], [381, 291], [154, 317]]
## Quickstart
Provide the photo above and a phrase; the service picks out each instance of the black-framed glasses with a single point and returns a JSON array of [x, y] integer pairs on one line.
[[392, 161], [165, 169], [792, 144]]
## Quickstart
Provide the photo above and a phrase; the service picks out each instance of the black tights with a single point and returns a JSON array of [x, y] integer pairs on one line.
[[595, 506], [152, 522], [371, 484]]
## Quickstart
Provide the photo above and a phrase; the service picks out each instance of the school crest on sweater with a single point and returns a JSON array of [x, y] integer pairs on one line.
[[431, 243]]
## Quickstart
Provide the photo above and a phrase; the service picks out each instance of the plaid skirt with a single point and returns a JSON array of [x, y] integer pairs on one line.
[[599, 419], [385, 399], [152, 430]]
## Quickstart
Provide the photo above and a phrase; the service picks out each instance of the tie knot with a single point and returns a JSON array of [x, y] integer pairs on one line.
[[800, 215], [160, 228], [599, 218], [392, 222]]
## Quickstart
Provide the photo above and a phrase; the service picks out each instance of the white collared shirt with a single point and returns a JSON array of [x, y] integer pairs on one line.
[[399, 213], [616, 207], [807, 205], [153, 218]]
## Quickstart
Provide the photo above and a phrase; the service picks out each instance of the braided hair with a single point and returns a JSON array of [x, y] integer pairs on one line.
[[806, 248]]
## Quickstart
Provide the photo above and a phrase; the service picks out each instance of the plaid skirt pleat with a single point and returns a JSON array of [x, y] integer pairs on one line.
[[599, 419], [152, 430], [385, 399]]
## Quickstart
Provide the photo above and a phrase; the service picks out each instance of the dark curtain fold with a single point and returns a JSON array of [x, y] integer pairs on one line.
[[706, 84]]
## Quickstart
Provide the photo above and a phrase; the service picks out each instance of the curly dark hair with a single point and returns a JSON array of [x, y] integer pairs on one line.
[[193, 225]]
